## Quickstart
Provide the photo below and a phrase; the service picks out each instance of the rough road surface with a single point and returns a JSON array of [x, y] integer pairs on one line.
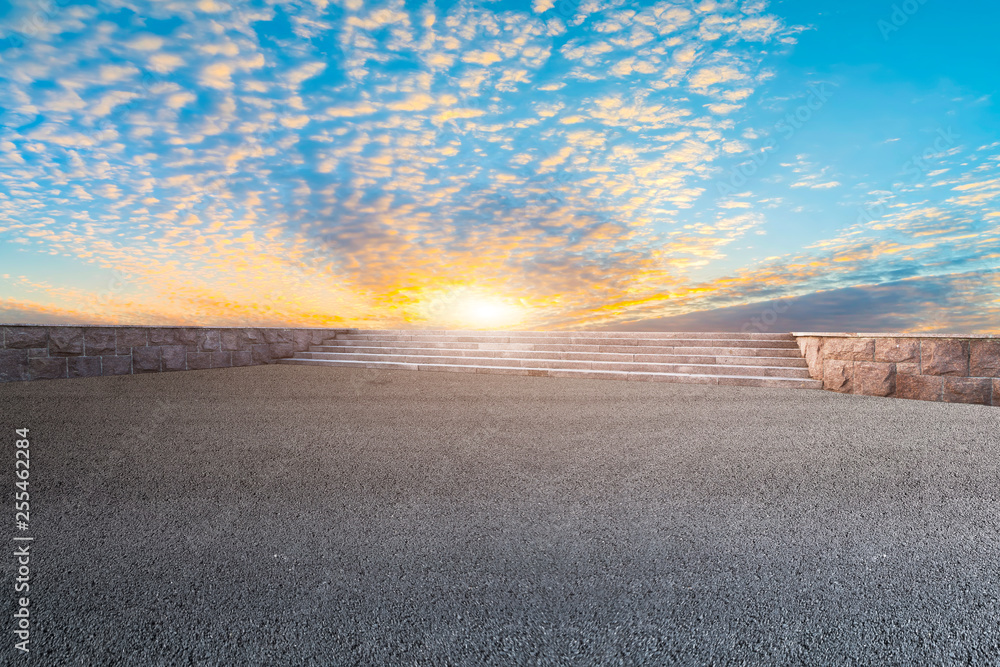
[[300, 515]]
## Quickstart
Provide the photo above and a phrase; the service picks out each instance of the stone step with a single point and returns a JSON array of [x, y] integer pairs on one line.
[[788, 362], [441, 333], [584, 340], [739, 380], [713, 350], [693, 369]]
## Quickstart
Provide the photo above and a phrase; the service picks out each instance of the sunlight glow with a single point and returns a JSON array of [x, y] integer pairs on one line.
[[487, 313], [467, 307]]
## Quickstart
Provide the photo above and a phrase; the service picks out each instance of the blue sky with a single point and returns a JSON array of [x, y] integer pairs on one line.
[[532, 164]]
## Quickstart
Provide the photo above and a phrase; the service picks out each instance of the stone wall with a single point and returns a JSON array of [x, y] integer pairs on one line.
[[43, 352], [927, 367]]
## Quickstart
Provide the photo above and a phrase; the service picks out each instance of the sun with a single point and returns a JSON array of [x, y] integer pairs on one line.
[[469, 308], [486, 313]]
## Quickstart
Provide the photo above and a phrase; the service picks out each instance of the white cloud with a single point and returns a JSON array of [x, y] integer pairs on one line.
[[296, 76], [481, 57], [181, 99], [117, 73], [723, 109], [217, 75], [362, 109], [811, 183], [711, 76], [145, 42], [164, 63]]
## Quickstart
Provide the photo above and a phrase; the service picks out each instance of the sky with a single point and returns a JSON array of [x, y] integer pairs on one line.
[[501, 164]]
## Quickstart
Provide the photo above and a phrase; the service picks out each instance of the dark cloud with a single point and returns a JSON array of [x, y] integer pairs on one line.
[[898, 306], [12, 316]]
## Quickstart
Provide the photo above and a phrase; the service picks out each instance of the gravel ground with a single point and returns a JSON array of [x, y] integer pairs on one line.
[[304, 515]]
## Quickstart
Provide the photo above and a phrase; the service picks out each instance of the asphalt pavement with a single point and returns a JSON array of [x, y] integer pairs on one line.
[[288, 515]]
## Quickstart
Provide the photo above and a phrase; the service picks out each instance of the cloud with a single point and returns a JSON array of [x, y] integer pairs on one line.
[[145, 42], [297, 75], [217, 75], [758, 28], [117, 73], [723, 109], [707, 77], [811, 183], [164, 63], [295, 122], [569, 163], [361, 109], [481, 57], [180, 99], [914, 305]]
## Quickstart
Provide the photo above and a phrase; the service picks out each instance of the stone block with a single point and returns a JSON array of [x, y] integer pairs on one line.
[[919, 387], [908, 369], [174, 357], [209, 340], [849, 349], [65, 341], [996, 393], [129, 337], [277, 335], [173, 336], [249, 337], [197, 361], [320, 335], [13, 365], [190, 335], [22, 338], [967, 390], [161, 336], [146, 359], [984, 358], [83, 367], [222, 359], [812, 350], [230, 339], [302, 339], [872, 378], [281, 350], [47, 368], [242, 358], [944, 357], [897, 350], [38, 352], [116, 365], [98, 341], [838, 375], [260, 354]]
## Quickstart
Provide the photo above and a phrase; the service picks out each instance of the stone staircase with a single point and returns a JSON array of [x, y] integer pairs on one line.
[[749, 359]]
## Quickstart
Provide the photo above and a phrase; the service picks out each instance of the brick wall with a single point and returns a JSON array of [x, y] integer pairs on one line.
[[42, 352], [928, 367]]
